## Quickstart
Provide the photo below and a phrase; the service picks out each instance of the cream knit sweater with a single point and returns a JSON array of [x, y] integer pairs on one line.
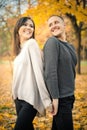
[[28, 82]]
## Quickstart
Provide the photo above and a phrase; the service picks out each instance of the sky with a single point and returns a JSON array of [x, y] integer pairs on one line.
[[13, 5]]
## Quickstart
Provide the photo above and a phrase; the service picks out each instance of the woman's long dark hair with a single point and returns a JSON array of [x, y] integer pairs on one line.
[[19, 23]]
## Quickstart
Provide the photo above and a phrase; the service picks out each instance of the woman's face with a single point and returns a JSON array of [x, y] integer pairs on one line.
[[26, 31]]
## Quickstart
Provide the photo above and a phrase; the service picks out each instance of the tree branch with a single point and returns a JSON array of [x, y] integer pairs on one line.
[[83, 29], [83, 13]]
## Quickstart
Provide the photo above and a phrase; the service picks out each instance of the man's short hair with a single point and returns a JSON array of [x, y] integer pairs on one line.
[[56, 16]]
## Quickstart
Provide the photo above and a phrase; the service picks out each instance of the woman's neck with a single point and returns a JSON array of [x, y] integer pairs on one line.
[[22, 42]]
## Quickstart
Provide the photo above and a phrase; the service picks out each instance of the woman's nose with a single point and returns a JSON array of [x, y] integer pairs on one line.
[[28, 27]]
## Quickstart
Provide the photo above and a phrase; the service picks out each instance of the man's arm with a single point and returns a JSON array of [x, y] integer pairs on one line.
[[51, 67]]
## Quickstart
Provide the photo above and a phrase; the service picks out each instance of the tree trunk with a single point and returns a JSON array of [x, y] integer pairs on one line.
[[79, 50], [84, 4], [78, 35], [19, 8]]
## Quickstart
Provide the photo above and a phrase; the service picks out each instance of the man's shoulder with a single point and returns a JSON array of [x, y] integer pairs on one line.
[[51, 44], [52, 38], [52, 41]]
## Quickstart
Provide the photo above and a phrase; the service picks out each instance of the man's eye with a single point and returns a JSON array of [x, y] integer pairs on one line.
[[56, 22], [50, 25]]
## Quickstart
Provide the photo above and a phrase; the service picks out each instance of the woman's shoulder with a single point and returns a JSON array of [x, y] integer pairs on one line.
[[31, 41], [32, 44]]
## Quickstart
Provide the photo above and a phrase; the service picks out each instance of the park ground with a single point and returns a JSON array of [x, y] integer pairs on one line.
[[7, 108]]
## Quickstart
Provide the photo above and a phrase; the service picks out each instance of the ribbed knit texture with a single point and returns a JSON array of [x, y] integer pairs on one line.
[[28, 82], [59, 66]]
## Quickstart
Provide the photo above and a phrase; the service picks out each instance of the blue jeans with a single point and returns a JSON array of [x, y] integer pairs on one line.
[[25, 115], [63, 120]]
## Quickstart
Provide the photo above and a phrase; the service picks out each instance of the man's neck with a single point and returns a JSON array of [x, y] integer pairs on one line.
[[62, 38]]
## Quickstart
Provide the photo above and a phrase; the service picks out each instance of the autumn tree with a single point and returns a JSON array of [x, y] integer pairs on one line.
[[78, 26]]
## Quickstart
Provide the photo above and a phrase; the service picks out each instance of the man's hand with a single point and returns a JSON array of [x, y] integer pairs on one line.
[[54, 107]]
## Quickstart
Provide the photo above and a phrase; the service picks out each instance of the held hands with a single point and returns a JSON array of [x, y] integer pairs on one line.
[[54, 107]]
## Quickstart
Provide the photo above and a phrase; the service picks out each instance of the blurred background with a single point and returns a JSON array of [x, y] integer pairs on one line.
[[75, 16]]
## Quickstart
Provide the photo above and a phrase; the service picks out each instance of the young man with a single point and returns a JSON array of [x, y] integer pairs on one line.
[[59, 66]]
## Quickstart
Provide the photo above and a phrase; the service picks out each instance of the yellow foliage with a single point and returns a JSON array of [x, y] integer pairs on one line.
[[41, 12], [7, 110], [2, 128], [1, 119], [77, 126]]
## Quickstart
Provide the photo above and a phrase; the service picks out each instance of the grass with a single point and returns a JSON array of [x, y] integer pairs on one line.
[[84, 62], [4, 61]]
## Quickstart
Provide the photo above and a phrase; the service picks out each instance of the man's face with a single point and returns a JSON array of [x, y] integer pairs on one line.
[[56, 26]]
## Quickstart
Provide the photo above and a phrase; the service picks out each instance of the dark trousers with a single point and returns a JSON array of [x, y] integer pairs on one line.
[[25, 115], [63, 120]]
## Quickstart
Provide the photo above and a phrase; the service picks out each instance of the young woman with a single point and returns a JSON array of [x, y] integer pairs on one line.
[[28, 89]]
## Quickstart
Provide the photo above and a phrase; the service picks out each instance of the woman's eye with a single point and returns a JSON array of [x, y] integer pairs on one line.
[[31, 26], [25, 24]]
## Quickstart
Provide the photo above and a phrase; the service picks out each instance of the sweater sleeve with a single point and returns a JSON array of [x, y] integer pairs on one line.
[[51, 52], [37, 66]]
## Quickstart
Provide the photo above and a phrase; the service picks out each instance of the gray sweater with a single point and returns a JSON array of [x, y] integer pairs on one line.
[[59, 68]]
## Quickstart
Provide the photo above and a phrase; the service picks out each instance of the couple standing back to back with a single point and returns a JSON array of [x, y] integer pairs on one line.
[[35, 89]]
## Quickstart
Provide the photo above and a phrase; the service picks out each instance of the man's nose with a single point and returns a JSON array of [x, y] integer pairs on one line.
[[53, 26]]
